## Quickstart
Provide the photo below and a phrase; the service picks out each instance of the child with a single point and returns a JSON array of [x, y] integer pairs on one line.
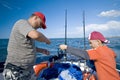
[[103, 57]]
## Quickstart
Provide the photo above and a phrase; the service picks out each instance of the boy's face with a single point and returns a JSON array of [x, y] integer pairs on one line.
[[94, 43]]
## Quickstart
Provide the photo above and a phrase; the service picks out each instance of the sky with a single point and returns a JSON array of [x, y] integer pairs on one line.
[[100, 15]]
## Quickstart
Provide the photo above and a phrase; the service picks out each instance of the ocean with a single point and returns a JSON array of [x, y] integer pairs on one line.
[[55, 42]]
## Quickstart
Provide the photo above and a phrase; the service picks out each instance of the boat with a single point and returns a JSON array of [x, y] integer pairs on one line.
[[58, 66], [56, 60]]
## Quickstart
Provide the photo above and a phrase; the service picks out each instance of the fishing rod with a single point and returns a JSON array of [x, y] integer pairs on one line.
[[86, 61], [65, 56], [66, 27], [83, 14], [62, 53], [84, 29]]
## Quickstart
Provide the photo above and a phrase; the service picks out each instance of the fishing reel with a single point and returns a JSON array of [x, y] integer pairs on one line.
[[60, 55]]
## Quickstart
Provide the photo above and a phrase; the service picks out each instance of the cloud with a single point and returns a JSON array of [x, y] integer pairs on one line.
[[110, 28], [111, 13], [9, 6]]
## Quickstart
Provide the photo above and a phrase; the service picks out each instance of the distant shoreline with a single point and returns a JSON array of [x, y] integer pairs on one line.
[[114, 37]]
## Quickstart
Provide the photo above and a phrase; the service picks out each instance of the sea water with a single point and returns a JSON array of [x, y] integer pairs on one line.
[[54, 46]]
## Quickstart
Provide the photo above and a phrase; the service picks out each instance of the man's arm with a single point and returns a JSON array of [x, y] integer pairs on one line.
[[38, 36], [41, 50]]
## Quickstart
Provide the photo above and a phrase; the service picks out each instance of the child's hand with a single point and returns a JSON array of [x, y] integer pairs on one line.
[[63, 46]]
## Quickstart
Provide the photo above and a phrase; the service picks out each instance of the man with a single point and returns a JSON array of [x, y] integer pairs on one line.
[[21, 48], [103, 57]]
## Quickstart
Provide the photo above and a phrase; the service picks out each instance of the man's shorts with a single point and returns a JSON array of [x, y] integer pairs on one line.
[[12, 72]]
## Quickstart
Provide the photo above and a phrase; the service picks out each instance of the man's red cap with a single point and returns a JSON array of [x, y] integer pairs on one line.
[[42, 17], [97, 36]]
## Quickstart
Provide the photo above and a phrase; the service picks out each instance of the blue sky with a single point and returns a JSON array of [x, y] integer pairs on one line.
[[100, 15]]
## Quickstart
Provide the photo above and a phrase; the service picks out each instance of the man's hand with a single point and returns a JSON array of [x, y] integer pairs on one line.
[[48, 41], [63, 46], [46, 52]]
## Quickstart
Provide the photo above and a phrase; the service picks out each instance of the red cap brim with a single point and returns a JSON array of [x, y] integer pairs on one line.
[[43, 25]]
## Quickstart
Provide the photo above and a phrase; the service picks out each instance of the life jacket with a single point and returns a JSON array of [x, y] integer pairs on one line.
[[39, 67]]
